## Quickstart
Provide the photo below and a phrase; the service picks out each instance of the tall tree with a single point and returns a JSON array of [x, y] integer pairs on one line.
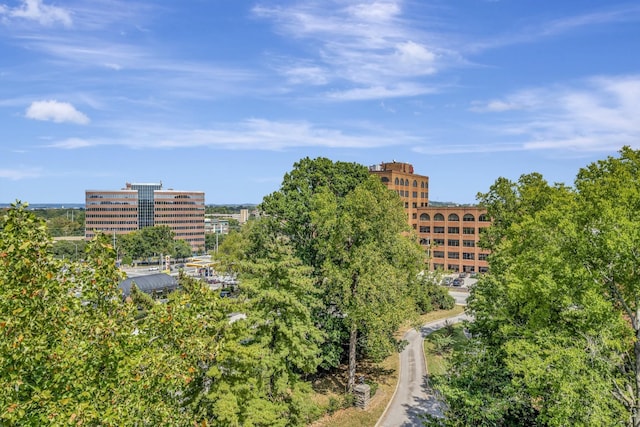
[[368, 262], [555, 333], [609, 247], [291, 204], [291, 207], [35, 307]]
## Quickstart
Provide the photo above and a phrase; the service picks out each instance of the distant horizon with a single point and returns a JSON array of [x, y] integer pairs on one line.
[[74, 205], [82, 205]]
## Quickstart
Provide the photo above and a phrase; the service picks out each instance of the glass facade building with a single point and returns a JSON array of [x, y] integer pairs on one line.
[[116, 212], [145, 203]]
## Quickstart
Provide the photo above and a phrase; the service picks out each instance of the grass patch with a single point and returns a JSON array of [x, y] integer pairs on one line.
[[439, 345], [330, 389]]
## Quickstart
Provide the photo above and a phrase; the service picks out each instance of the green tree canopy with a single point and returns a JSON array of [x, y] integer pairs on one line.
[[73, 351], [352, 231], [555, 336]]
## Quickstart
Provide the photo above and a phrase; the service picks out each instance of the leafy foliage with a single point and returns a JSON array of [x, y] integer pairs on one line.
[[331, 266], [72, 351], [556, 321], [352, 231], [152, 241]]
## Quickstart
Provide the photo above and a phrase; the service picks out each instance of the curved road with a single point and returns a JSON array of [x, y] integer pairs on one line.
[[413, 395]]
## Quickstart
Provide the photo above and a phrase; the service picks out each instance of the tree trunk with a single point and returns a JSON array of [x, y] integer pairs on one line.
[[353, 338]]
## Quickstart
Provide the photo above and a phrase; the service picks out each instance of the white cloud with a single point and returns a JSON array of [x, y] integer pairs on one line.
[[73, 143], [306, 75], [598, 114], [264, 134], [375, 47], [18, 174], [380, 92], [36, 10], [250, 134], [55, 111], [379, 11], [531, 33]]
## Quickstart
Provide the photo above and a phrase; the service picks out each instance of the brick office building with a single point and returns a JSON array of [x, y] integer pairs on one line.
[[144, 205], [449, 234]]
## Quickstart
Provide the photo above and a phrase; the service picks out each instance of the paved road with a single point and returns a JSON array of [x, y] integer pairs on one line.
[[413, 395], [460, 296]]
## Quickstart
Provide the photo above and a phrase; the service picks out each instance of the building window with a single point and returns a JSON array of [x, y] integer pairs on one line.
[[468, 268], [469, 243], [415, 194], [437, 266], [453, 255], [414, 215], [425, 242], [438, 217], [425, 229], [453, 242], [483, 269], [454, 230], [421, 184], [484, 218], [415, 183], [438, 230], [438, 242], [397, 181], [468, 217], [414, 205], [468, 230], [384, 179], [468, 255], [424, 217], [454, 267], [482, 257], [454, 217], [406, 205], [438, 254]]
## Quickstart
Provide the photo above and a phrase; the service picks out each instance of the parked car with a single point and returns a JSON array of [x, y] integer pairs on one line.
[[463, 275], [458, 282]]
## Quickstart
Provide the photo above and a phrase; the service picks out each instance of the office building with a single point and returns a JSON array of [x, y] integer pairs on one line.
[[449, 234], [145, 205]]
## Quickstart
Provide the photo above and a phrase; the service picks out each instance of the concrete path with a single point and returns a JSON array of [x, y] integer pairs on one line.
[[413, 395]]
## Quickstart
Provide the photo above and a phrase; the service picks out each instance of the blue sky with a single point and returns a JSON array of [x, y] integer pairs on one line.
[[224, 96]]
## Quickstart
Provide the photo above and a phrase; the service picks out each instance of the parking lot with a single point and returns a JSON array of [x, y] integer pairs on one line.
[[458, 280]]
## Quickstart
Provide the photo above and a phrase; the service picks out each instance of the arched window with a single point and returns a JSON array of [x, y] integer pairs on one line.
[[454, 217], [421, 184], [415, 183], [385, 179], [468, 217], [397, 180], [401, 181], [424, 217], [438, 217], [406, 183], [484, 218]]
